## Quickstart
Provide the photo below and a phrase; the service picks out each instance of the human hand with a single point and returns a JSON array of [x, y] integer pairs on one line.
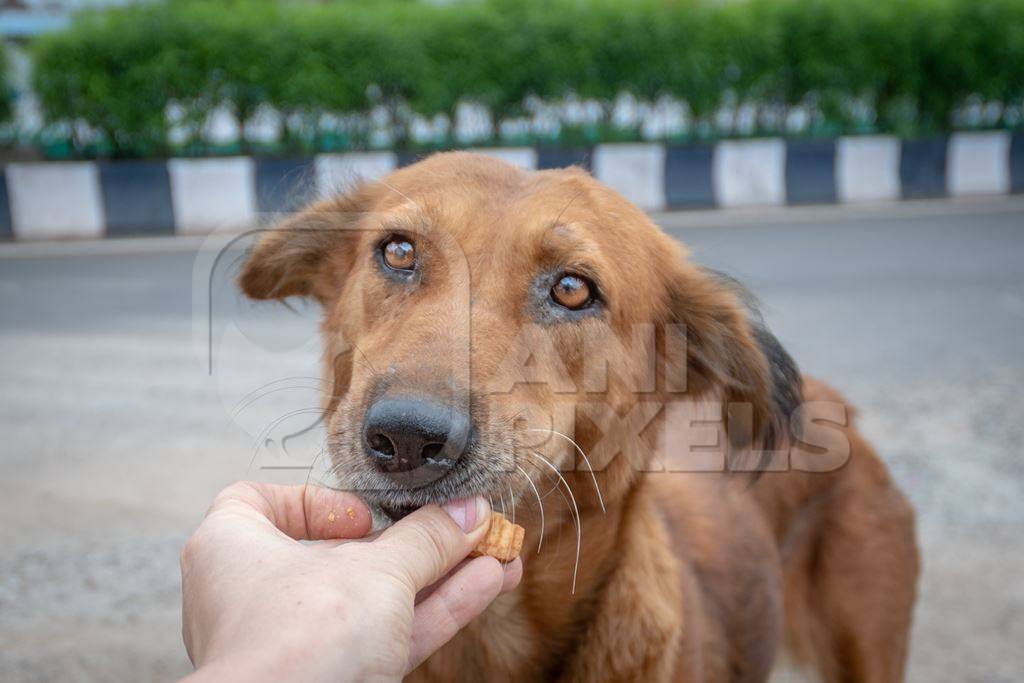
[[259, 605]]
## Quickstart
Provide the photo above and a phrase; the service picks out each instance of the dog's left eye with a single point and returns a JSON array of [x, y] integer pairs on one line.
[[399, 253], [572, 291]]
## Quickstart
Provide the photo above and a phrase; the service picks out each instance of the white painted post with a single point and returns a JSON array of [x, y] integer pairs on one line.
[[55, 199], [208, 194], [335, 173], [868, 168], [749, 172], [978, 164], [637, 170], [523, 157]]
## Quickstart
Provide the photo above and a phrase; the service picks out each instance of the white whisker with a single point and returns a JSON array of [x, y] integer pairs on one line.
[[312, 465], [512, 498], [540, 504], [579, 531], [398, 192], [600, 498]]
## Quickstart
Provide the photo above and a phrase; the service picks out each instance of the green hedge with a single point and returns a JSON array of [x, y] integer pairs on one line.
[[6, 93], [903, 66]]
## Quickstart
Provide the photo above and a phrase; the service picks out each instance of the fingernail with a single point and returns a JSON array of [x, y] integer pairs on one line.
[[468, 513]]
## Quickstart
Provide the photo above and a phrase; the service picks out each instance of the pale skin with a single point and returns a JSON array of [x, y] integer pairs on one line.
[[259, 605]]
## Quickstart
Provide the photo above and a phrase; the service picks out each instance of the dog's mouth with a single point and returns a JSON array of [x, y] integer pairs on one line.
[[467, 479], [397, 512], [399, 499]]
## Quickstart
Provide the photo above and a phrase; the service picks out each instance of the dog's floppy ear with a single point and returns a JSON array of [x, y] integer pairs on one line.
[[307, 253], [729, 350]]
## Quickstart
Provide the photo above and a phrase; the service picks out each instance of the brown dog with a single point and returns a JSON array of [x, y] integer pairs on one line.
[[534, 338]]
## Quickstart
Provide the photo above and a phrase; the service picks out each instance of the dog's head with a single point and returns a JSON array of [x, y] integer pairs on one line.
[[485, 326]]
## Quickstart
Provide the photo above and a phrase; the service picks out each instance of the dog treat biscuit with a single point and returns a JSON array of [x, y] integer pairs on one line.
[[504, 539]]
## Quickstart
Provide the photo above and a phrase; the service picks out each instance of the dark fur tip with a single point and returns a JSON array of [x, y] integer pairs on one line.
[[787, 395], [787, 384]]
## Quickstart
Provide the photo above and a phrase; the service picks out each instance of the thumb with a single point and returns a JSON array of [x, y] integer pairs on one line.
[[424, 546], [302, 512]]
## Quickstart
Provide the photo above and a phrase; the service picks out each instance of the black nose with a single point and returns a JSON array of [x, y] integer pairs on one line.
[[404, 434]]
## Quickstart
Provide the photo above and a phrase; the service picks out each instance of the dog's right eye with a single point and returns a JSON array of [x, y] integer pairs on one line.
[[399, 254], [572, 292]]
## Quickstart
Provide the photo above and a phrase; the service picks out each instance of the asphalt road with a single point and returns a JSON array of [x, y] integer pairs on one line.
[[115, 436]]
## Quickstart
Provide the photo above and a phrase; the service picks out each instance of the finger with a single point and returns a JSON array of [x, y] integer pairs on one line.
[[302, 512], [512, 574], [429, 590], [424, 546], [453, 604]]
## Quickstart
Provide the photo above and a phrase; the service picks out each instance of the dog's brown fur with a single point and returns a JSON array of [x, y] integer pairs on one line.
[[688, 575]]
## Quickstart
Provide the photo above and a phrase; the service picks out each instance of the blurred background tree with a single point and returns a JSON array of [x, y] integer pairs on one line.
[[6, 93], [161, 78]]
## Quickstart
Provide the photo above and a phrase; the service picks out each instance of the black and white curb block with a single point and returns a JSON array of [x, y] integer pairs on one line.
[[81, 199]]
